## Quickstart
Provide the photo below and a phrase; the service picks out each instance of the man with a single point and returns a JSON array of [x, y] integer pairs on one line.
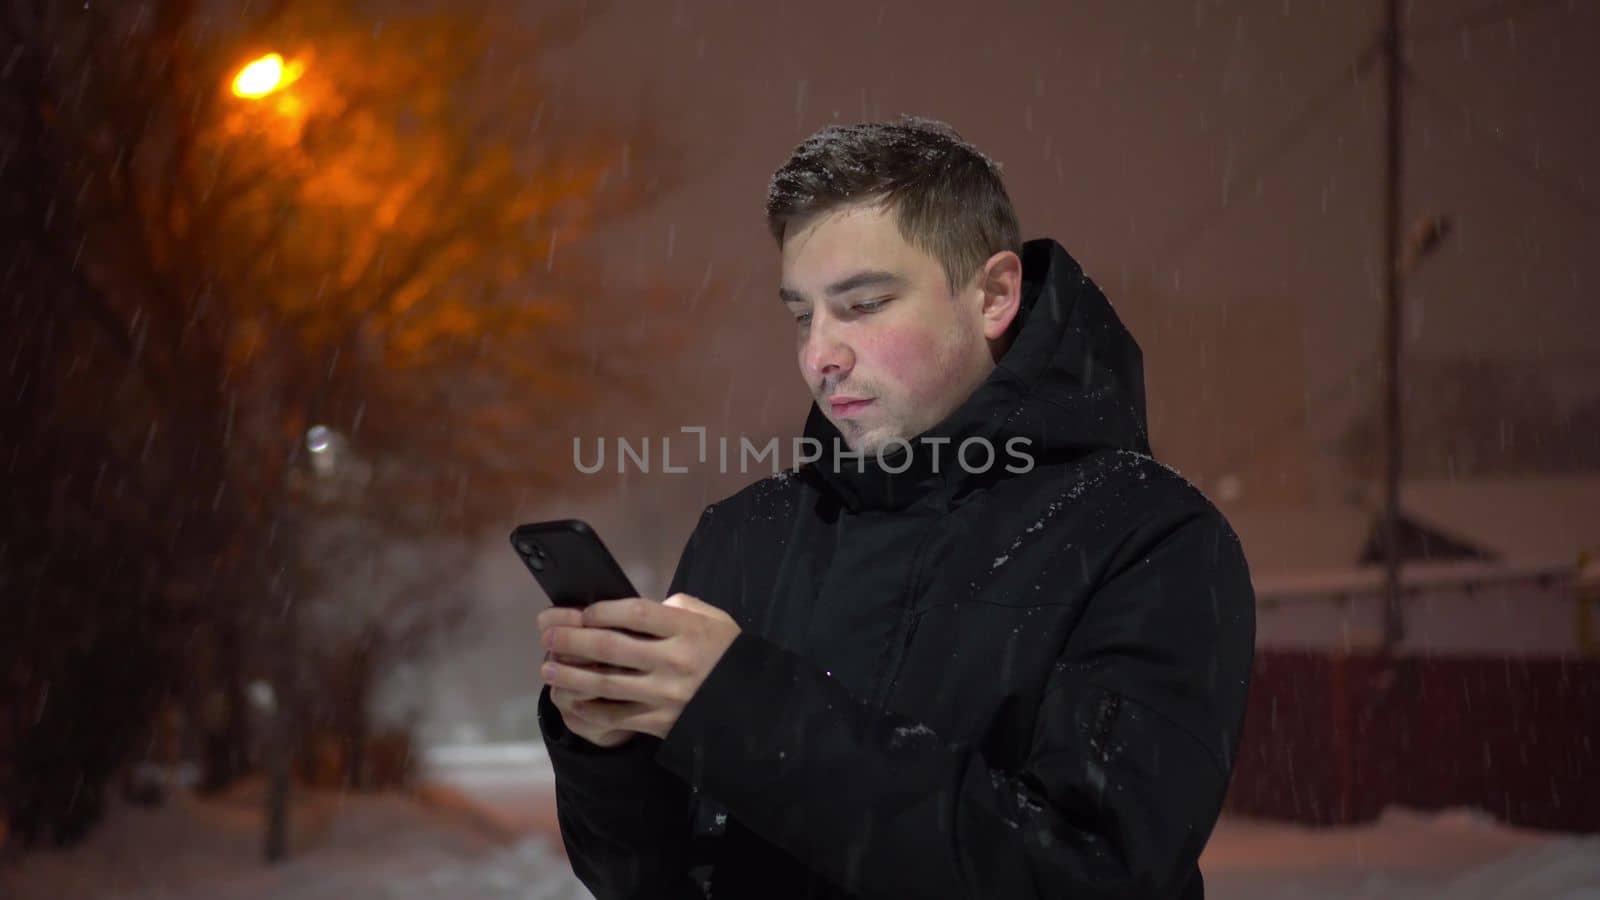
[[899, 672]]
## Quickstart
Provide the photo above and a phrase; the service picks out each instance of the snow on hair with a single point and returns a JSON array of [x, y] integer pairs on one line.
[[947, 197]]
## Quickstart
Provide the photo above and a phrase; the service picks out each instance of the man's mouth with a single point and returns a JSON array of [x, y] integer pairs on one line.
[[845, 406]]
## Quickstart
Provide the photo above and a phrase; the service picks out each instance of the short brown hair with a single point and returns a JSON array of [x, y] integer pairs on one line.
[[946, 196]]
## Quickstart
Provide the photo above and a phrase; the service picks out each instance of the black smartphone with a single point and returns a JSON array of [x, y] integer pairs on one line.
[[570, 562]]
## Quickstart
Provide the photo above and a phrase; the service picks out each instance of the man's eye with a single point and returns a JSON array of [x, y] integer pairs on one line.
[[802, 318], [870, 306]]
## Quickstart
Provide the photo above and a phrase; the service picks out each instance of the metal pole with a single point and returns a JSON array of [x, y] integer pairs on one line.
[[286, 722], [1393, 618]]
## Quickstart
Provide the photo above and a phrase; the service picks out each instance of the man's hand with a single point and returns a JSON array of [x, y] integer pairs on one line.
[[620, 667], [577, 710]]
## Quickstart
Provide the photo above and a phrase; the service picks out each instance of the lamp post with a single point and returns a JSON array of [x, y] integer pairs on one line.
[[320, 444], [254, 81], [261, 78]]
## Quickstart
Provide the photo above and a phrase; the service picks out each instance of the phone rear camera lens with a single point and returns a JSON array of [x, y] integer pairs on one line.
[[535, 564]]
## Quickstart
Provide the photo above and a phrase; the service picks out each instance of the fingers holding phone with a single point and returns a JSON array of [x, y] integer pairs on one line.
[[584, 715], [575, 569], [560, 617]]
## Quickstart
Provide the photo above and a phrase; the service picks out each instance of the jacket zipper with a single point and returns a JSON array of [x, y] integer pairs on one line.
[[893, 671], [909, 622]]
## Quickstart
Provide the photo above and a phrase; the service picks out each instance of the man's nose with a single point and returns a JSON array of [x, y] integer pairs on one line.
[[824, 354]]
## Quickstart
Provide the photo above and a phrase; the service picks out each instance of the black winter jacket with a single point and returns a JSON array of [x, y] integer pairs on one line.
[[954, 681]]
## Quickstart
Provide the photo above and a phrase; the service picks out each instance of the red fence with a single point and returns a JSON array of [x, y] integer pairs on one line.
[[1334, 738]]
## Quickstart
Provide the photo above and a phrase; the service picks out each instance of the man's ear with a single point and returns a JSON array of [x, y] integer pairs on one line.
[[1001, 284]]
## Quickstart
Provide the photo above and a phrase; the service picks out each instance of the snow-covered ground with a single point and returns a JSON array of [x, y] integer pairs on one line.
[[345, 847], [487, 829], [1460, 854]]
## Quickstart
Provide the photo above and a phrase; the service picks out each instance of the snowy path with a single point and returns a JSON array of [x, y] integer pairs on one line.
[[345, 848]]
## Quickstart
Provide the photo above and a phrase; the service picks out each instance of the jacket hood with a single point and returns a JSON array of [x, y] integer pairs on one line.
[[1071, 383]]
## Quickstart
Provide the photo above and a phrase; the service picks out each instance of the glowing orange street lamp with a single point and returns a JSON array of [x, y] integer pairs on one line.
[[261, 77]]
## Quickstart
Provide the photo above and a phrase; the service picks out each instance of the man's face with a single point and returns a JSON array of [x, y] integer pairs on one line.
[[884, 347]]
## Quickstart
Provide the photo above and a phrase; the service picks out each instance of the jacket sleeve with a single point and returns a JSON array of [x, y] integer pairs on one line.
[[624, 819], [1124, 777]]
